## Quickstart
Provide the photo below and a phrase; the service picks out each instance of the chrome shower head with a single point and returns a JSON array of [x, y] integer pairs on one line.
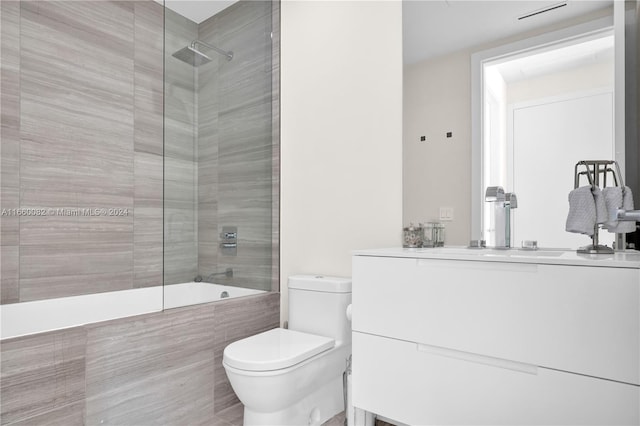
[[192, 56]]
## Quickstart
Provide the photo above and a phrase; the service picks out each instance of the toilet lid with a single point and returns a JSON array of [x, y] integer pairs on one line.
[[274, 349]]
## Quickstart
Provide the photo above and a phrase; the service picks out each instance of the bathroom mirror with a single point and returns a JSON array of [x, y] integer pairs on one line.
[[485, 30], [541, 105]]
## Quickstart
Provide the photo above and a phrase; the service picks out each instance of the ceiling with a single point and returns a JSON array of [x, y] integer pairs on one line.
[[197, 10], [587, 53], [435, 27]]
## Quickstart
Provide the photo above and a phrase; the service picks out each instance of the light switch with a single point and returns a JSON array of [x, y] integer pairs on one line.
[[446, 214]]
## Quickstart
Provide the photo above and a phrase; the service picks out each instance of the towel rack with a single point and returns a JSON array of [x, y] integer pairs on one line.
[[596, 172]]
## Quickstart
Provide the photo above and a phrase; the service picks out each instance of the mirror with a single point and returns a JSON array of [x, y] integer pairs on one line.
[[543, 109], [441, 141]]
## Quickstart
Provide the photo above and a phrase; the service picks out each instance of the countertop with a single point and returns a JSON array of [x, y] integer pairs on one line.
[[623, 259]]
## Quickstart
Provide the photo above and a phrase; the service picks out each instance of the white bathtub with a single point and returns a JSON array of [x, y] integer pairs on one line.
[[19, 319], [176, 295]]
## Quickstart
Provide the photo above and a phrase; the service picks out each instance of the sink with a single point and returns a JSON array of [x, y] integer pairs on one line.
[[538, 253], [512, 252]]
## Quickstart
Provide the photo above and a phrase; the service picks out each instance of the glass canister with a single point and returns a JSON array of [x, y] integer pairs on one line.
[[438, 234], [427, 235], [412, 236]]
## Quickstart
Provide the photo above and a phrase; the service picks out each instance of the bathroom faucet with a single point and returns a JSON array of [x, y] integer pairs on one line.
[[227, 273], [627, 215], [503, 204]]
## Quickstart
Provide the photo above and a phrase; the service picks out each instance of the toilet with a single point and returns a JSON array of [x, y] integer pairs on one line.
[[294, 376]]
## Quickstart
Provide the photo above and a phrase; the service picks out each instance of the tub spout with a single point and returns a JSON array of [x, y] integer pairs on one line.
[[227, 273]]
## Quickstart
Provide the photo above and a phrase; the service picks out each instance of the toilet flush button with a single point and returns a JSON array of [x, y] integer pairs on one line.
[[349, 312], [319, 276]]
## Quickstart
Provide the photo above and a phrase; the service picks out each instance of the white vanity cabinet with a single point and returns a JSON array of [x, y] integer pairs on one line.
[[496, 338]]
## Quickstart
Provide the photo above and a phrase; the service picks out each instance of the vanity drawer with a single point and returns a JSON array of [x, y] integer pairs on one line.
[[579, 319], [411, 384]]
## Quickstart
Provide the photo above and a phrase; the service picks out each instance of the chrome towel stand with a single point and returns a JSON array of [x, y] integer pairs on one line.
[[594, 170]]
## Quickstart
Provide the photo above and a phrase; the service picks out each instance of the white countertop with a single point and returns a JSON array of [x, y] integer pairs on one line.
[[626, 259]]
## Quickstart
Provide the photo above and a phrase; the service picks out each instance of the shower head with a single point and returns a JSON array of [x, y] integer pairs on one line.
[[194, 57]]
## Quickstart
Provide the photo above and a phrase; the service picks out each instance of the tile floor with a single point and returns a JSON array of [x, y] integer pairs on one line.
[[337, 420]]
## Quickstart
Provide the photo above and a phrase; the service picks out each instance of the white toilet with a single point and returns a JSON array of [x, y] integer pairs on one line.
[[294, 376]]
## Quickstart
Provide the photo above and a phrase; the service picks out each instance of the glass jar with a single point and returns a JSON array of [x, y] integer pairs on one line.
[[412, 236], [427, 235], [438, 235]]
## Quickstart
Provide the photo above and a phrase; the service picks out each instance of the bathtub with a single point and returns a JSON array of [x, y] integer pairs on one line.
[[19, 319], [177, 295]]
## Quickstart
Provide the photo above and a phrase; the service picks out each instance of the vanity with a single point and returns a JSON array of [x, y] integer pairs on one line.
[[445, 336]]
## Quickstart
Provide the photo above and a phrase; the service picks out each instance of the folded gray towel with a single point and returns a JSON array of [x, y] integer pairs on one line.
[[615, 198], [582, 211], [602, 215]]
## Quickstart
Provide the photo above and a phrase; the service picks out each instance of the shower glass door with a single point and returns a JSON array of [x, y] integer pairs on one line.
[[220, 150]]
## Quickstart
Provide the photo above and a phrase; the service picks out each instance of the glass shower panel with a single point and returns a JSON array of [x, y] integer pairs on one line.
[[180, 154], [81, 187], [220, 153]]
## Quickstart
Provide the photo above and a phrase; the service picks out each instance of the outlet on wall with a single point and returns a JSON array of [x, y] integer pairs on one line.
[[446, 214]]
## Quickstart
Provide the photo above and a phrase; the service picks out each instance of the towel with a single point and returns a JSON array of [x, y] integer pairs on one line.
[[602, 214], [615, 198], [582, 211]]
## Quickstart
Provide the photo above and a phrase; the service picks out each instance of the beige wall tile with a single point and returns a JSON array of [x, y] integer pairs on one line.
[[154, 370], [80, 96], [41, 373], [68, 415], [162, 368], [235, 154], [10, 148], [9, 274]]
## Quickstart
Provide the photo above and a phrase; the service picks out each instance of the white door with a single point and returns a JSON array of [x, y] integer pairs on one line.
[[548, 138]]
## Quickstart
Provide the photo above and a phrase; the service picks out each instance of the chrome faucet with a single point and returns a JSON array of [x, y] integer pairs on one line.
[[227, 273], [627, 215], [503, 204]]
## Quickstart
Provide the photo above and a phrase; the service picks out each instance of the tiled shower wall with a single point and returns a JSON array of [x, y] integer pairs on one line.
[[82, 111], [235, 148], [181, 155], [82, 127], [163, 368]]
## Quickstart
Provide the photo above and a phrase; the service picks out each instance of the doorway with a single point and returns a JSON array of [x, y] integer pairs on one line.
[[544, 108]]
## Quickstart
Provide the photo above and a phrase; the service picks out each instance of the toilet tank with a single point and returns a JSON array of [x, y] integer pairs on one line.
[[318, 304]]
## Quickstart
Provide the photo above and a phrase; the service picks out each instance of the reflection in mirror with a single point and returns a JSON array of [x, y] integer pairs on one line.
[[543, 111], [440, 171]]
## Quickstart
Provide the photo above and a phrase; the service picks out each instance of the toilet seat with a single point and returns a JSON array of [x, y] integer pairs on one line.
[[274, 350]]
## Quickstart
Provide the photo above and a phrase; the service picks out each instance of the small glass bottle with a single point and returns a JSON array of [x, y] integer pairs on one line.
[[438, 234], [412, 236], [427, 235]]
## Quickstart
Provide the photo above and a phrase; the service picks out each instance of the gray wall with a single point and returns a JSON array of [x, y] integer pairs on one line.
[[181, 155], [81, 128], [163, 368], [235, 149]]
